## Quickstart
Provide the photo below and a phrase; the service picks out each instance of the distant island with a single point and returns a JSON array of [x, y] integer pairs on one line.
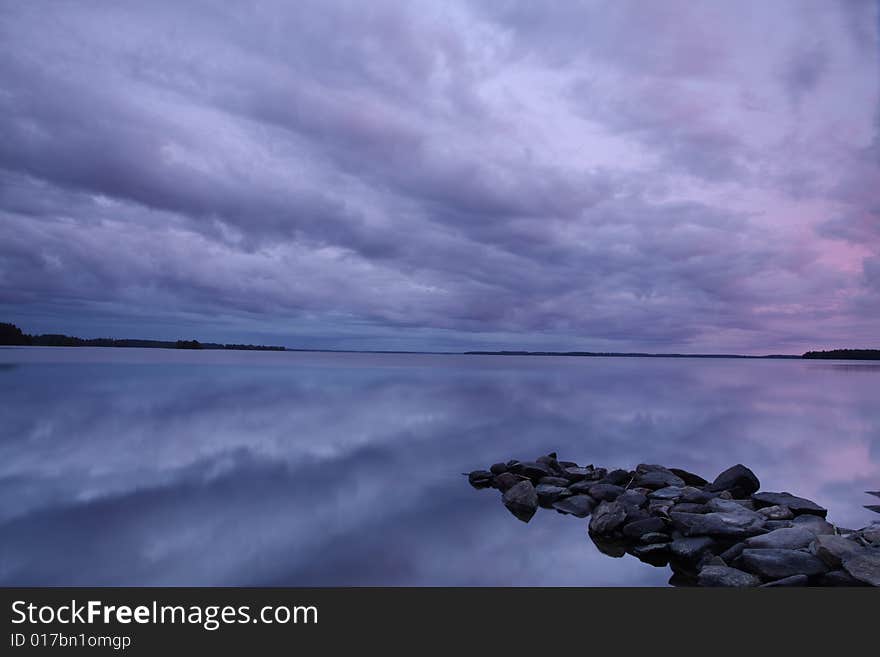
[[614, 354], [10, 334], [845, 354]]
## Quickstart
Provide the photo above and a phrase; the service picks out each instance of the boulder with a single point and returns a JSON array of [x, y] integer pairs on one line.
[[547, 494], [833, 549], [690, 507], [521, 500], [579, 506], [506, 480], [738, 480], [815, 524], [666, 493], [654, 537], [576, 473], [659, 479], [797, 505], [632, 499], [776, 512], [554, 481], [689, 478], [791, 538], [581, 486], [726, 576], [531, 469], [730, 554], [778, 563], [695, 495], [770, 525], [498, 468], [617, 477], [726, 519], [480, 478], [865, 567], [656, 554], [794, 580], [691, 547], [839, 578], [607, 517], [605, 492], [641, 527]]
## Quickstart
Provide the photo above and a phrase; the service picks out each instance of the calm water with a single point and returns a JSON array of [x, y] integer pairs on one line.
[[162, 467]]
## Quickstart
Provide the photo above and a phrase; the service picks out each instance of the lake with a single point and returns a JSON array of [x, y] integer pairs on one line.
[[164, 467]]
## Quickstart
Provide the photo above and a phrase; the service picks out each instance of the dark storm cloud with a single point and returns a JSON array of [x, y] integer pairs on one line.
[[594, 174]]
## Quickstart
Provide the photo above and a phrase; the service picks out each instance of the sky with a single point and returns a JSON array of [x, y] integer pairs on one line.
[[687, 176]]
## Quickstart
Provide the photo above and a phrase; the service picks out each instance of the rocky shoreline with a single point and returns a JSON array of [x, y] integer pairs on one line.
[[719, 533]]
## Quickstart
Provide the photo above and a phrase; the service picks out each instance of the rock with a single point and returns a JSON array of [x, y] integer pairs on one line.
[[873, 507], [554, 481], [689, 548], [655, 537], [656, 554], [746, 504], [871, 534], [521, 500], [660, 479], [640, 527], [695, 495], [480, 478], [833, 550], [727, 518], [547, 494], [779, 563], [579, 506], [660, 507], [498, 468], [690, 507], [576, 474], [815, 524], [666, 493], [532, 469], [797, 505], [617, 478], [607, 517], [839, 578], [581, 486], [689, 478], [770, 525], [776, 512], [794, 580], [738, 480], [726, 576], [506, 480], [865, 567], [605, 492], [731, 553], [643, 468], [632, 499], [790, 538]]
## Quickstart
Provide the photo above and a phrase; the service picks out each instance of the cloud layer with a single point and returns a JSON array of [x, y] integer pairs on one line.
[[603, 175]]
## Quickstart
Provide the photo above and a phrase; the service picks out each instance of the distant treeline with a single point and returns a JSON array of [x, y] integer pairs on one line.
[[10, 334], [845, 354], [607, 354]]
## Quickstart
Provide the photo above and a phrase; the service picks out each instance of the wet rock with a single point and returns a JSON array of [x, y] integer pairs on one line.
[[726, 576], [776, 512], [498, 468], [605, 492], [797, 505], [738, 480], [554, 481], [532, 469], [660, 479], [689, 478], [865, 567], [794, 580], [480, 478], [640, 527], [521, 500], [579, 506], [726, 518], [791, 538], [506, 480], [779, 563], [666, 493], [607, 517], [547, 494], [833, 550], [815, 524], [689, 548]]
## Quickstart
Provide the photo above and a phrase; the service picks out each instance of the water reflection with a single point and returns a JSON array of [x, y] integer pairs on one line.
[[158, 467]]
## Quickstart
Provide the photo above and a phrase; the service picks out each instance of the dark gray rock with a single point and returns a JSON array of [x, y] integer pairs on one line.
[[791, 538], [689, 478], [579, 506], [506, 480], [521, 500], [730, 554], [656, 554], [690, 507], [695, 495], [738, 480], [865, 567], [659, 479], [726, 518], [632, 499], [726, 576], [643, 468], [607, 517], [797, 505], [871, 534], [498, 468], [605, 492], [770, 525], [660, 507], [554, 481], [776, 512], [690, 548], [480, 478], [776, 563], [634, 513], [815, 524], [654, 537], [617, 478], [793, 580], [581, 486], [833, 549], [576, 473], [641, 527], [746, 504], [547, 494], [532, 469], [666, 493], [839, 578]]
